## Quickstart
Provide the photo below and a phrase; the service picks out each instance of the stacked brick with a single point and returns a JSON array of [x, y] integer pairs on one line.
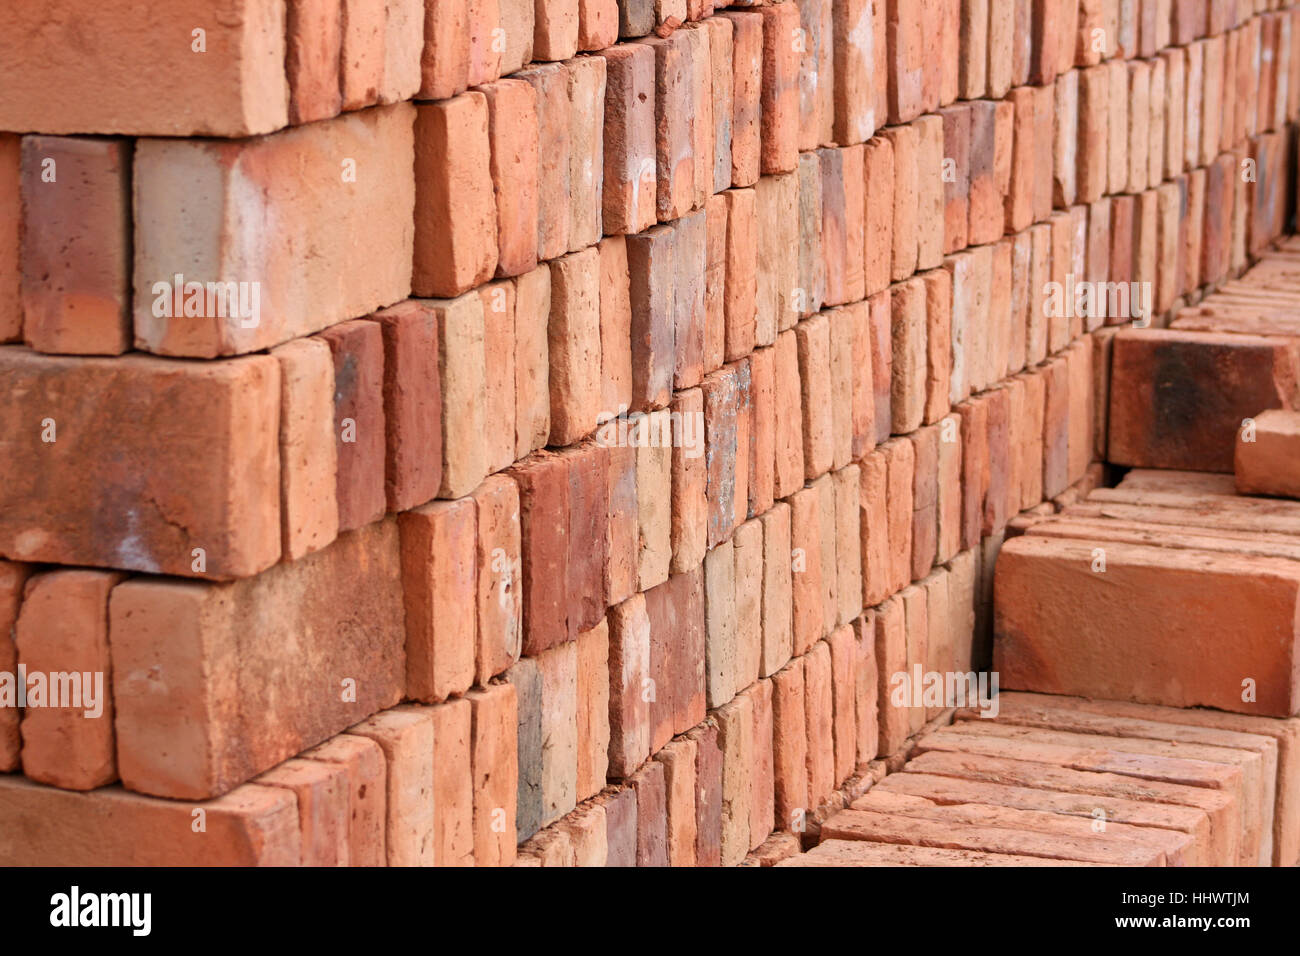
[[537, 433], [1069, 781]]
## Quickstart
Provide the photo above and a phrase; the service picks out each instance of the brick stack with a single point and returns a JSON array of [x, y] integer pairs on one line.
[[536, 433]]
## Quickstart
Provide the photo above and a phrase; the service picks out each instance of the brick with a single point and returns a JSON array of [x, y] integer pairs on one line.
[[532, 384], [11, 311], [628, 197], [908, 387], [812, 265], [629, 670], [371, 246], [588, 513], [215, 447], [749, 570], [499, 594], [719, 59], [762, 431], [736, 740], [364, 770], [790, 746], [555, 30], [998, 163], [867, 729], [322, 794], [720, 608], [1264, 465], [778, 638], [251, 826], [678, 760], [439, 575], [688, 309], [1245, 589], [741, 287], [362, 52], [413, 397], [309, 510], [544, 490], [652, 815], [779, 140], [462, 374], [874, 522], [807, 601], [653, 497], [406, 737], [62, 627], [819, 720], [219, 646], [240, 82], [828, 539], [1020, 207], [674, 98], [957, 180], [973, 51], [573, 343], [621, 570], [974, 466], [762, 807], [314, 42], [1219, 380], [777, 207], [878, 215], [513, 145], [456, 242], [75, 249], [905, 142], [843, 651], [359, 424], [586, 85], [12, 579], [597, 24], [746, 95], [930, 191], [891, 659], [555, 128], [651, 269], [856, 49]]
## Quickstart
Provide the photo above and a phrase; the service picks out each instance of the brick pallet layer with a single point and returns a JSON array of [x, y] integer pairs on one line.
[[541, 433]]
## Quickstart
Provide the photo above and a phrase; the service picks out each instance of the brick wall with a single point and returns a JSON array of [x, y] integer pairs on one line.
[[535, 433]]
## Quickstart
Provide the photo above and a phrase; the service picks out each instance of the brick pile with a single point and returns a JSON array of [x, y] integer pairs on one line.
[[536, 433]]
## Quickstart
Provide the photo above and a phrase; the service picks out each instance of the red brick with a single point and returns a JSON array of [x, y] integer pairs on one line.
[[251, 826], [1264, 463], [651, 815], [674, 98], [215, 448], [690, 480], [239, 80], [62, 627], [573, 341], [678, 760], [747, 85], [736, 741], [905, 141], [513, 145], [554, 146], [654, 497], [76, 245], [715, 284], [790, 747], [908, 386], [322, 793], [439, 576], [819, 721], [364, 769], [777, 205], [628, 198], [1220, 380], [212, 644], [974, 467], [364, 262], [586, 85], [532, 387], [689, 320], [748, 552], [779, 141], [1253, 597], [456, 234], [597, 24], [593, 709], [651, 259], [808, 608], [544, 490], [867, 732], [412, 403], [406, 737], [555, 30], [621, 570], [878, 217], [629, 672]]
